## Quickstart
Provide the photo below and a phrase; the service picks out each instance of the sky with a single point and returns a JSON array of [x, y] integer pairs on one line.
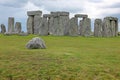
[[94, 8]]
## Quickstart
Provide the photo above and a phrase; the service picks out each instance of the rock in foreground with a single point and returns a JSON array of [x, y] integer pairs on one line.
[[36, 43]]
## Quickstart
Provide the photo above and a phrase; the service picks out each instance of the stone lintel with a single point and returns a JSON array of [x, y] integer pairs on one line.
[[47, 15], [111, 18], [62, 13], [81, 15], [33, 13]]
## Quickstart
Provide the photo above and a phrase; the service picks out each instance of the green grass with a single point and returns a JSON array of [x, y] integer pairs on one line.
[[66, 58]]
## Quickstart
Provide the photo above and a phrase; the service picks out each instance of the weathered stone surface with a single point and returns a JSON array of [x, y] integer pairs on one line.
[[85, 27], [3, 28], [11, 24], [37, 23], [36, 43], [62, 13], [110, 26], [58, 23], [33, 13], [50, 25], [44, 27], [30, 25], [18, 27], [73, 27], [81, 16], [47, 15], [98, 28]]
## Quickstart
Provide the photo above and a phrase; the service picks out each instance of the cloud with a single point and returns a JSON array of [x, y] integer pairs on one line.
[[94, 8]]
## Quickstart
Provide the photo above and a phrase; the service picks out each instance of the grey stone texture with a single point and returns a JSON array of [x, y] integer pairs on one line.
[[37, 23], [50, 25], [18, 27], [30, 25], [36, 43], [110, 26], [34, 22], [60, 19], [85, 27], [98, 29], [44, 27], [3, 28], [59, 24], [33, 13], [81, 16], [11, 24], [73, 27]]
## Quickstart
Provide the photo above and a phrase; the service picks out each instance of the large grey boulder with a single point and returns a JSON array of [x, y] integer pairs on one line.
[[3, 28], [36, 43]]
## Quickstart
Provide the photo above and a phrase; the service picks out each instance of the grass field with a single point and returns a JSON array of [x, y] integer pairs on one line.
[[66, 58]]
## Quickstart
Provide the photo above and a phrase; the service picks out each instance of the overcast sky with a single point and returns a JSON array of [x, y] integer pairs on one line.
[[94, 8]]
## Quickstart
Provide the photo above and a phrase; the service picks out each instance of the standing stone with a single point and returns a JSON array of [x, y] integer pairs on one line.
[[60, 20], [30, 25], [98, 28], [85, 27], [10, 24], [110, 26], [3, 28], [73, 26], [17, 27], [50, 25], [113, 25], [44, 27], [37, 23]]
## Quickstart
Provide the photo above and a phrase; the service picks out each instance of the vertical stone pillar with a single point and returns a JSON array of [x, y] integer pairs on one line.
[[44, 25], [37, 23], [11, 24], [17, 27], [85, 27], [50, 24], [98, 28], [73, 26], [30, 25], [3, 28]]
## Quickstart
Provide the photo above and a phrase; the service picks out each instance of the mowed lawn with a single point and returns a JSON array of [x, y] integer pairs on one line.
[[66, 58]]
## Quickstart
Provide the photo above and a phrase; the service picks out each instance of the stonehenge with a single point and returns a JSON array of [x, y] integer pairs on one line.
[[60, 24], [57, 23]]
